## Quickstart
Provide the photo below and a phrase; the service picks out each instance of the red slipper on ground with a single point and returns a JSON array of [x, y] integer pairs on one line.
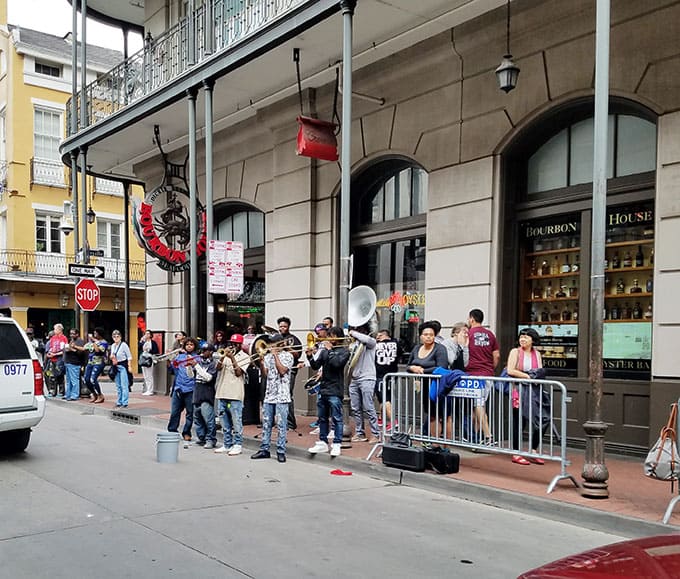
[[520, 460], [536, 460], [339, 472]]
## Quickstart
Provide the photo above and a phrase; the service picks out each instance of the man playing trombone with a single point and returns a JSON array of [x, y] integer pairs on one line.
[[332, 360]]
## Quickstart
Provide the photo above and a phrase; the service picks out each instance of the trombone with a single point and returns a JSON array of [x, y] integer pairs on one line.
[[313, 340]]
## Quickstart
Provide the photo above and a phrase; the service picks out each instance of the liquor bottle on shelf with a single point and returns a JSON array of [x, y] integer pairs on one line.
[[648, 312], [574, 314], [545, 315], [651, 257], [636, 289], [566, 268], [620, 286], [648, 231], [548, 291], [545, 268], [650, 284], [606, 263], [532, 273], [615, 312], [575, 266], [627, 259], [573, 242], [566, 314], [537, 292], [607, 285], [555, 315], [533, 316], [561, 293], [637, 311], [605, 313], [555, 268], [639, 257], [616, 263], [626, 312], [573, 290]]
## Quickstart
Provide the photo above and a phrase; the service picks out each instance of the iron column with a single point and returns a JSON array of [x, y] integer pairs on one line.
[[193, 210], [209, 225]]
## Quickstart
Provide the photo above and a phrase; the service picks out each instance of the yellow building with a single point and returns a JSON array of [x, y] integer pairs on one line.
[[35, 252]]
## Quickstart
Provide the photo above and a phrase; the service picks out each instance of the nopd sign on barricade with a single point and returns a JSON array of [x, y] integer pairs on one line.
[[509, 416]]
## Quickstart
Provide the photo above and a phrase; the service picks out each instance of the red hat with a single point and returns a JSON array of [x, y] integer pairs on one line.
[[236, 338]]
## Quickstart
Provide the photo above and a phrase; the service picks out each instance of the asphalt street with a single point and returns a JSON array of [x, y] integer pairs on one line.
[[89, 499]]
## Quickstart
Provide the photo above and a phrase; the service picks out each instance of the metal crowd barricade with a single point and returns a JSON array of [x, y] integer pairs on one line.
[[482, 414]]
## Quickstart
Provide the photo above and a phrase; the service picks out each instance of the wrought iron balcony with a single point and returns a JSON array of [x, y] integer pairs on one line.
[[214, 27], [35, 264]]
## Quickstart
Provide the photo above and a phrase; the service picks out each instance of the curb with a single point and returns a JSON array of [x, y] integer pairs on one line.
[[569, 513]]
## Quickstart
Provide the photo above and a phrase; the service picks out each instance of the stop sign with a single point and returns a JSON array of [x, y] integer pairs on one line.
[[87, 295]]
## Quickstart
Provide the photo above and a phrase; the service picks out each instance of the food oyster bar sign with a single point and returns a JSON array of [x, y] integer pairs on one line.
[[225, 267]]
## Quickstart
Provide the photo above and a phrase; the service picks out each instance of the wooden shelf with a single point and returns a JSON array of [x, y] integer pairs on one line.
[[629, 321], [627, 269], [560, 323], [628, 296], [554, 275], [630, 243], [554, 251], [548, 300]]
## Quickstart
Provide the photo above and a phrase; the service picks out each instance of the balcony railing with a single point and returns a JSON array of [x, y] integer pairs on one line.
[[48, 172], [25, 263], [108, 187], [217, 25]]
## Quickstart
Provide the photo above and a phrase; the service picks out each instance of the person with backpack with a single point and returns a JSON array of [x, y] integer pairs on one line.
[[96, 348], [148, 349]]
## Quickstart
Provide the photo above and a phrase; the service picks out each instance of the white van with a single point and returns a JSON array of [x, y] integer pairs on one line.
[[22, 403]]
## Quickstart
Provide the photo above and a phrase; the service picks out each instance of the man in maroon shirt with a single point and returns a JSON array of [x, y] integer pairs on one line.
[[484, 357]]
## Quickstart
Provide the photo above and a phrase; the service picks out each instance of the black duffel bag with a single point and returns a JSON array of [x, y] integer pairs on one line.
[[442, 460]]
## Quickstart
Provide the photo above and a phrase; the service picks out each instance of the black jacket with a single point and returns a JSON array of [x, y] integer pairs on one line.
[[333, 373]]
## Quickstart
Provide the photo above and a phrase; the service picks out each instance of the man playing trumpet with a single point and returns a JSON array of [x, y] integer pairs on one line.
[[231, 365]]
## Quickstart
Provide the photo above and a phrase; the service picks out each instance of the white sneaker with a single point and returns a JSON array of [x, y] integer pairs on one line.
[[148, 393], [335, 449], [234, 450], [315, 431], [319, 446], [331, 434], [223, 449]]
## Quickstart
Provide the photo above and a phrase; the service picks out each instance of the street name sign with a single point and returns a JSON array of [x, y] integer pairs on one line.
[[83, 270]]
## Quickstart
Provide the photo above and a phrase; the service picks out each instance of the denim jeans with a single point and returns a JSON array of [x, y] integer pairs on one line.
[[361, 394], [330, 405], [72, 382], [92, 372], [122, 386], [231, 412], [181, 401], [269, 413], [204, 418]]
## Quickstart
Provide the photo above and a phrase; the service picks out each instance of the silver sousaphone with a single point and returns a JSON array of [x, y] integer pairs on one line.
[[361, 304]]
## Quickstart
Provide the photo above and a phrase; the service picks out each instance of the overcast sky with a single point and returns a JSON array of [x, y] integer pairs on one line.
[[54, 17]]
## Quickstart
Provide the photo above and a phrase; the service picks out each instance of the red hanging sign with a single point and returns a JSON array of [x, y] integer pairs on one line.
[[316, 138]]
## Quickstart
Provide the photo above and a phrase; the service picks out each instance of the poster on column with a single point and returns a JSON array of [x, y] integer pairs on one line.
[[225, 267]]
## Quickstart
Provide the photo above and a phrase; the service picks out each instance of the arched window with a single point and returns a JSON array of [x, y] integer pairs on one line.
[[389, 201], [238, 222], [566, 158]]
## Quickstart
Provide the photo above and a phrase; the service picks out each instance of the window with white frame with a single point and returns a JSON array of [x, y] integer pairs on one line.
[[47, 69], [109, 238], [48, 238], [47, 132]]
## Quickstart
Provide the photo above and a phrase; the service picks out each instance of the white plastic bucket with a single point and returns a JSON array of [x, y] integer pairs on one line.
[[167, 446]]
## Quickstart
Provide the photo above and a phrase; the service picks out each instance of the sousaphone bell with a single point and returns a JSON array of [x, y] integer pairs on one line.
[[361, 304]]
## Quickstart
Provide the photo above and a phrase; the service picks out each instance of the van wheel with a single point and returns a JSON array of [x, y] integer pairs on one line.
[[15, 441]]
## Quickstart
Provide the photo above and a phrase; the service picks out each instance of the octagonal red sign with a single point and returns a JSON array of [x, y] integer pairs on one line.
[[88, 295]]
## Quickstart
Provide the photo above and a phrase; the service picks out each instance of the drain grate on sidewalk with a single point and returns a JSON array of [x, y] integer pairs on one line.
[[134, 416]]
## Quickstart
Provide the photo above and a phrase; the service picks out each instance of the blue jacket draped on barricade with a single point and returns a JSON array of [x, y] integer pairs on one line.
[[446, 381]]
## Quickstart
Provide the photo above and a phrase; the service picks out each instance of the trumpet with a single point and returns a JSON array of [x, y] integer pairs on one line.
[[222, 353]]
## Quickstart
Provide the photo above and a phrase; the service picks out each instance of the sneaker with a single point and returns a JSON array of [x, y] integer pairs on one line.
[[489, 441], [234, 450], [315, 431], [223, 449], [331, 434], [314, 424], [359, 438], [335, 449], [319, 446], [380, 422], [209, 445]]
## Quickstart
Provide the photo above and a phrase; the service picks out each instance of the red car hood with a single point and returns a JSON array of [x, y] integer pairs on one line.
[[652, 557]]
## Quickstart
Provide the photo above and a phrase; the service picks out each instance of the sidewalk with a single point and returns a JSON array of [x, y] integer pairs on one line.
[[636, 503]]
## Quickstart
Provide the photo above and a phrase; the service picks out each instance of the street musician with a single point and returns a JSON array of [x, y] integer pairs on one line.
[[183, 388], [230, 393]]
